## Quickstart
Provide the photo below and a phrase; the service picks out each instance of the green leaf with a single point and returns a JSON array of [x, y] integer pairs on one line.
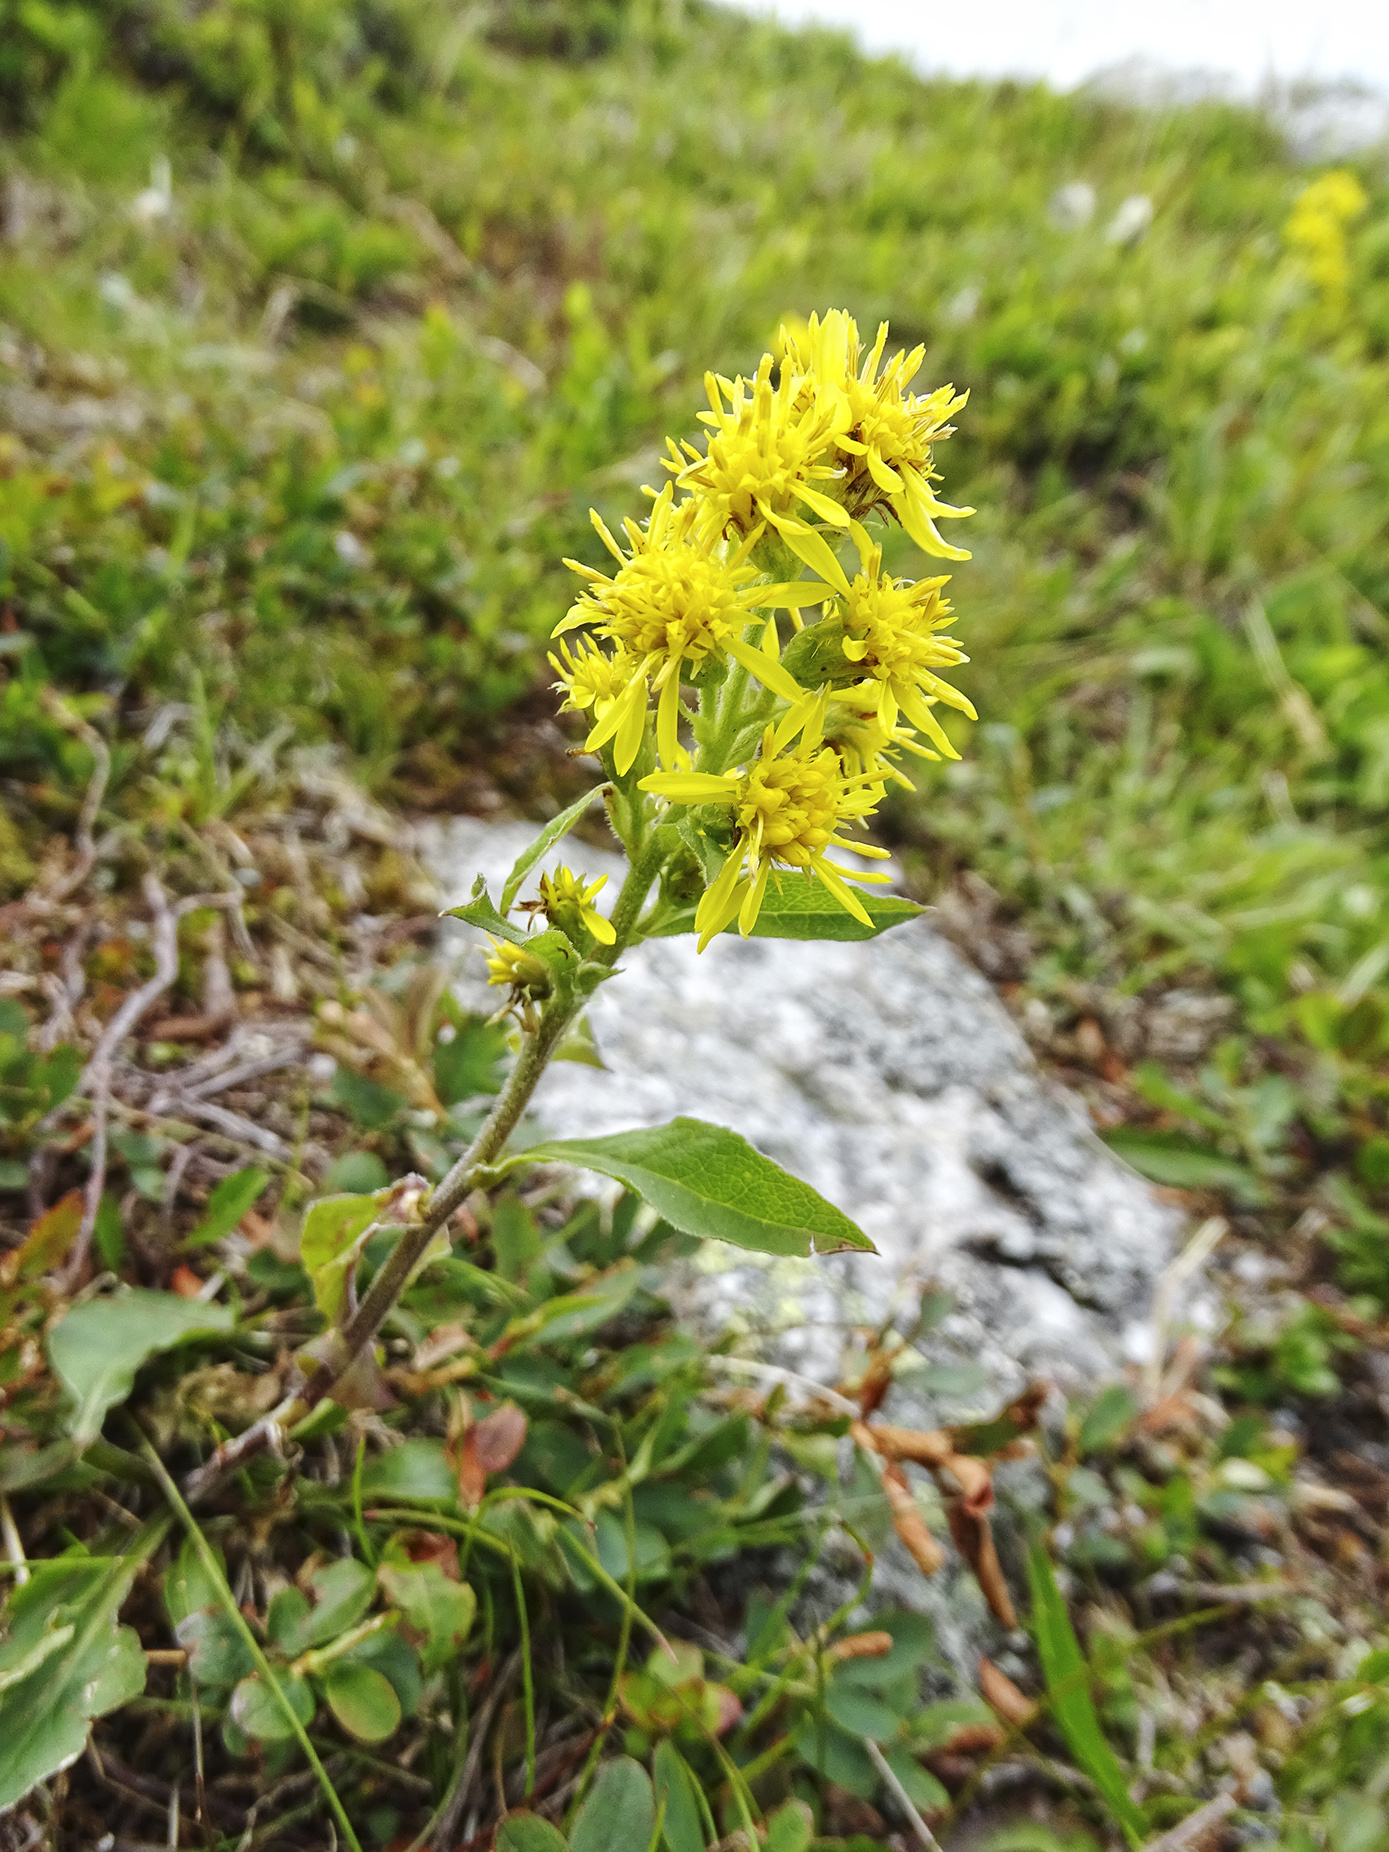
[[435, 1606], [619, 1812], [331, 1244], [707, 1181], [790, 1828], [415, 1469], [217, 1654], [480, 912], [551, 947], [1066, 1674], [681, 1827], [553, 830], [227, 1204], [799, 907], [522, 1832], [187, 1584], [1181, 1164], [861, 1712], [66, 1662], [1108, 1417], [365, 1100], [471, 1063], [96, 1350], [342, 1591], [355, 1173], [256, 1710], [363, 1700], [922, 1788]]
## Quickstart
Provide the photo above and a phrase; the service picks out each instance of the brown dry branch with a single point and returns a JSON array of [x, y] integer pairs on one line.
[[97, 1077]]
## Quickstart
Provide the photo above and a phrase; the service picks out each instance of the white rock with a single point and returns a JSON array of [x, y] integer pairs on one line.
[[889, 1076]]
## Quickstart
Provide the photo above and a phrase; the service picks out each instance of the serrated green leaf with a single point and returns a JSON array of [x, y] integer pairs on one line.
[[227, 1204], [258, 1712], [1065, 1671], [707, 1181], [552, 832], [96, 1350], [523, 1832], [799, 907], [362, 1699], [330, 1245], [81, 1664], [620, 1811], [681, 1826]]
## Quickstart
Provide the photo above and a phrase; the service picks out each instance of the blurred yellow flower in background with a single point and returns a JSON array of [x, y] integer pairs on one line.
[[1316, 229]]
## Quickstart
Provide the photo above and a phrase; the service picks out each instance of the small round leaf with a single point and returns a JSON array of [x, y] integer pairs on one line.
[[259, 1713], [362, 1699]]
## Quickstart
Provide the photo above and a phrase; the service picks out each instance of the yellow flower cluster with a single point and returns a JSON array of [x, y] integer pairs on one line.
[[793, 461], [1316, 229]]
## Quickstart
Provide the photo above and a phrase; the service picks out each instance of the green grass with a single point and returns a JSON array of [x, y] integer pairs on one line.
[[424, 293], [295, 460]]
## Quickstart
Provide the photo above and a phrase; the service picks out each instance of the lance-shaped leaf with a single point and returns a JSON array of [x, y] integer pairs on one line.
[[96, 1350], [1068, 1685], [66, 1661], [556, 828], [799, 907], [707, 1181]]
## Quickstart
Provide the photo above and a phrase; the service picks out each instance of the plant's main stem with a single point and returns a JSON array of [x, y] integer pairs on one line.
[[454, 1189]]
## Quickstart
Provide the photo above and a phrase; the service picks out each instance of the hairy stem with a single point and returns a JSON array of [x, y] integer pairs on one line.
[[381, 1296]]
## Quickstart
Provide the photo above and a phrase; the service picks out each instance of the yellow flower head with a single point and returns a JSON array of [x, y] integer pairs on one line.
[[568, 904], [891, 635], [764, 453], [854, 726], [590, 679], [1316, 228], [883, 432], [526, 976], [677, 599], [787, 807]]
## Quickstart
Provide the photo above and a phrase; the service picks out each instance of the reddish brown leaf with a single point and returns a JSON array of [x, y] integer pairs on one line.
[[975, 1542], [862, 1646], [46, 1243], [426, 1546], [974, 1480], [1012, 1705], [489, 1447], [499, 1438], [926, 1447], [909, 1524], [185, 1283]]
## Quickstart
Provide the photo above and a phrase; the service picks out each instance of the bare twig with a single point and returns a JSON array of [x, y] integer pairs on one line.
[[900, 1795], [96, 1077], [235, 1126], [1188, 1263], [441, 1830], [64, 990]]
